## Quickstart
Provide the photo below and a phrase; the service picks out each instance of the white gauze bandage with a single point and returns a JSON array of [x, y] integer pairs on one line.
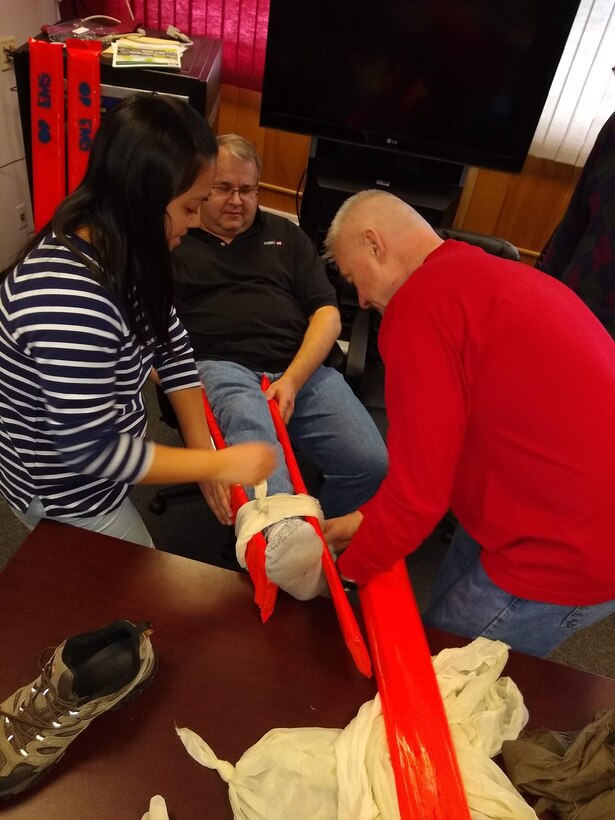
[[266, 509]]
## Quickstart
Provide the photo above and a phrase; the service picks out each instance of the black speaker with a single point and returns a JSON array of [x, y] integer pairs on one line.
[[336, 171]]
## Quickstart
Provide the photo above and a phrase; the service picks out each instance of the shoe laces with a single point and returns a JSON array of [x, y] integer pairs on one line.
[[32, 720]]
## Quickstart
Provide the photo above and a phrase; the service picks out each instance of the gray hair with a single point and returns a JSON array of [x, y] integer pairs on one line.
[[241, 149], [340, 217]]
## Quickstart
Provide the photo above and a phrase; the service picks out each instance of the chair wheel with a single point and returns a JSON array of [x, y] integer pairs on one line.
[[158, 506]]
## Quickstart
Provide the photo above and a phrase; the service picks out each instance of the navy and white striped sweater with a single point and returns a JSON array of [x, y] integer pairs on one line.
[[72, 417]]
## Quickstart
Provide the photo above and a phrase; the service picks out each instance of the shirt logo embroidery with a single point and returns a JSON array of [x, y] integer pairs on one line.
[[272, 242]]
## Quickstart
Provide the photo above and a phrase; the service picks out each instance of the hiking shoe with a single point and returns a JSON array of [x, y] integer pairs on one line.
[[84, 677]]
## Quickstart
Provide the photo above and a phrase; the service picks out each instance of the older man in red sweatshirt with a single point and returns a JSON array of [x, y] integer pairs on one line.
[[500, 396]]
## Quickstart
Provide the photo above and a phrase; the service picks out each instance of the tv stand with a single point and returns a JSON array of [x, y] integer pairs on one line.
[[337, 170]]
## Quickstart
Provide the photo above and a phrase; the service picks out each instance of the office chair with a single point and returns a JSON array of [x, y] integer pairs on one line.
[[494, 245], [175, 493]]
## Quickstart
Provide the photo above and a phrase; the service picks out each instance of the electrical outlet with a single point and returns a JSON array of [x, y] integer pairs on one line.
[[6, 44], [22, 216]]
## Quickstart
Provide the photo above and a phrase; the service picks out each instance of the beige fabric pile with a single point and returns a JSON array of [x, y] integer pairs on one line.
[[346, 774]]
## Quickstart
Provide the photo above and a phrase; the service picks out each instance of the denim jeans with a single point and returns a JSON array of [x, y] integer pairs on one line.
[[124, 522], [328, 424], [465, 601]]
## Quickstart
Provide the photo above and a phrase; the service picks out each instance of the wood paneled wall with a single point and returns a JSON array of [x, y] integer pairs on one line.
[[284, 155], [524, 208]]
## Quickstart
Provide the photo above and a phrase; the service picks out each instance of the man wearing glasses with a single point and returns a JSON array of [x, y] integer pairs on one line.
[[254, 297]]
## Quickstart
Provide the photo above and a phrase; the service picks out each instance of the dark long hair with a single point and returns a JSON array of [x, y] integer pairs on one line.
[[147, 151]]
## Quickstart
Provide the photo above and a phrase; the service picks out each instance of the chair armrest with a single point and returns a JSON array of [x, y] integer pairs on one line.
[[357, 347], [167, 414], [336, 358], [494, 245]]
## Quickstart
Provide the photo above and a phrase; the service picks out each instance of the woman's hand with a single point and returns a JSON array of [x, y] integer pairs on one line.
[[248, 463], [218, 497]]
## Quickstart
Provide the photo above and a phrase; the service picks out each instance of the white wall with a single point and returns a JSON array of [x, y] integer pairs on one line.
[[19, 19]]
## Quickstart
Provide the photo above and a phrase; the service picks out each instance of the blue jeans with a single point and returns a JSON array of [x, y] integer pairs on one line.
[[124, 522], [465, 601], [329, 425]]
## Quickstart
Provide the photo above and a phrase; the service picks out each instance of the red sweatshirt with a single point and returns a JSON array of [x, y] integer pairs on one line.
[[500, 395]]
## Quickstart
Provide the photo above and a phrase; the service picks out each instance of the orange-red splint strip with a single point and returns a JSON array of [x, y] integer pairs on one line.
[[265, 591], [47, 112], [429, 785], [345, 615], [83, 106]]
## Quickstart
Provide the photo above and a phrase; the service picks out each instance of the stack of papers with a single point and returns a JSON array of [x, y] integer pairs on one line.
[[146, 52]]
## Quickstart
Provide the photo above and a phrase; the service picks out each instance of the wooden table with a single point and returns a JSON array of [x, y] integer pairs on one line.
[[221, 673]]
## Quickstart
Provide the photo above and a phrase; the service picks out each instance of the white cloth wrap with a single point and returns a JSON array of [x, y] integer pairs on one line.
[[266, 509], [157, 809], [346, 774]]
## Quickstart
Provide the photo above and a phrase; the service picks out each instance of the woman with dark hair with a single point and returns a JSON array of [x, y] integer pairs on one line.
[[86, 316]]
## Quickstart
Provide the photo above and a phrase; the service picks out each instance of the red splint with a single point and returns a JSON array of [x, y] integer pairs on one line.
[[345, 615], [265, 591], [423, 756], [54, 128], [48, 128], [83, 104]]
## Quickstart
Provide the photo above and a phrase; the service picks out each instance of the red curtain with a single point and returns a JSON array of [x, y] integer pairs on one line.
[[240, 24]]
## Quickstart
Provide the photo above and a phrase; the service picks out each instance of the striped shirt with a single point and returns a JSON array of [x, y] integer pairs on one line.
[[72, 415]]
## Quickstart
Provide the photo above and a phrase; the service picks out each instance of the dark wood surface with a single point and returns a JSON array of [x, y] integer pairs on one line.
[[221, 672]]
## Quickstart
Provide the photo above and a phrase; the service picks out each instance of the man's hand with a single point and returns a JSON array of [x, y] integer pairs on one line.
[[339, 532], [218, 496], [283, 391]]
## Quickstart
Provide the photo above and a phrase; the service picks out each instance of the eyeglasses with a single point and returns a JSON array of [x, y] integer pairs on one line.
[[225, 189]]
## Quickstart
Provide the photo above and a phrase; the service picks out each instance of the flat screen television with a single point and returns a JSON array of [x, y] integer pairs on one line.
[[458, 80]]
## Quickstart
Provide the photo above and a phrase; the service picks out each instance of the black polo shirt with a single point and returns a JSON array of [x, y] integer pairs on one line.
[[249, 301]]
